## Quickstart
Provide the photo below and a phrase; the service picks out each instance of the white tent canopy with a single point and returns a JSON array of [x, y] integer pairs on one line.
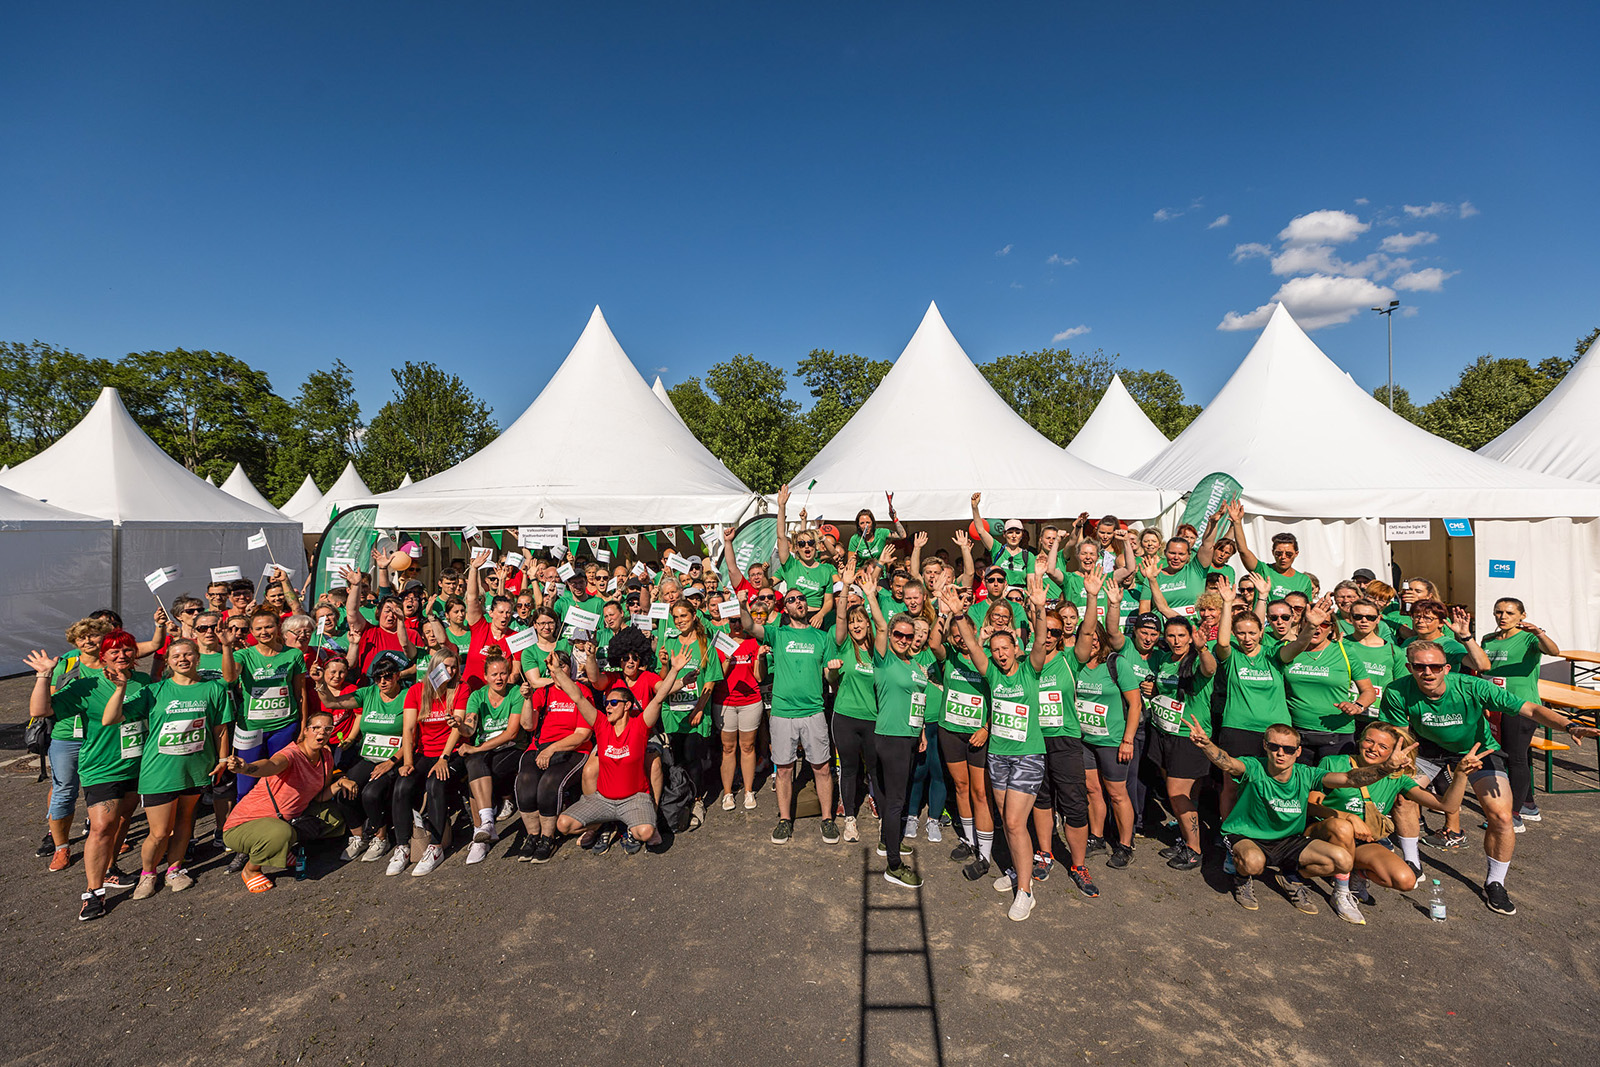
[[346, 488], [165, 516], [303, 498], [1118, 435], [661, 392], [984, 446], [55, 570], [238, 485], [562, 462], [404, 482], [1554, 438]]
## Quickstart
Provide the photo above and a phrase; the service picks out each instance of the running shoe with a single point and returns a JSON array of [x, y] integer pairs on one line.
[[115, 879], [94, 906], [903, 875], [400, 860], [830, 832], [61, 859], [630, 844], [1416, 870], [1244, 891], [432, 856], [872, 806], [911, 828], [1185, 859], [1344, 906], [377, 848], [236, 865], [1042, 862], [1445, 841], [508, 808], [1298, 892], [149, 882], [1494, 895], [603, 841], [543, 848], [1530, 812], [1121, 856], [1361, 889], [1021, 907], [934, 834], [46, 846], [1080, 878], [179, 880], [850, 831], [477, 852], [483, 834], [354, 848], [1171, 850], [697, 816], [1007, 882], [749, 801], [976, 869], [905, 849], [962, 852], [782, 832], [728, 802], [1096, 845]]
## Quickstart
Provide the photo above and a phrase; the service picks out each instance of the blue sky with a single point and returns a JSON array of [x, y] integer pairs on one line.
[[294, 183]]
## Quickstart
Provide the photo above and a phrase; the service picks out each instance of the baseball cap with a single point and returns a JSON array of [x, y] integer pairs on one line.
[[1013, 524], [1363, 575], [1148, 618], [386, 663]]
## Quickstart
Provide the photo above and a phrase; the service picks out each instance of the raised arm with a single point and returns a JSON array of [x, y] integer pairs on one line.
[[1114, 616], [735, 575], [1036, 618], [1225, 623], [281, 576], [895, 528], [968, 570], [1236, 516], [869, 597], [978, 524], [1460, 623], [39, 697], [474, 592], [354, 621], [1083, 649], [1208, 541], [563, 681], [783, 533], [1316, 615], [915, 561], [951, 602]]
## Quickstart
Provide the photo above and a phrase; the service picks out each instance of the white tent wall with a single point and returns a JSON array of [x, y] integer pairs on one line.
[[1557, 575], [50, 577], [1329, 548], [194, 550]]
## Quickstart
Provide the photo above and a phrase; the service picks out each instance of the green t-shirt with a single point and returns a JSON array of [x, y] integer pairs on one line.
[[889, 606], [815, 581], [566, 601], [462, 641], [1177, 698], [534, 658], [799, 654], [1317, 681], [1100, 704], [492, 720], [868, 550], [1454, 722], [1073, 592], [901, 686], [271, 687], [1454, 651], [382, 723], [856, 697], [679, 706], [1182, 589], [109, 753], [935, 671], [1280, 585], [69, 727], [1013, 721], [1057, 689], [181, 742], [1018, 563], [1514, 664], [1384, 664], [1253, 697], [1383, 792], [966, 695], [1384, 630], [1267, 809]]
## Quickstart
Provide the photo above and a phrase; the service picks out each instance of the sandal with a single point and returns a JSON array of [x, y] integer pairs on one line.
[[257, 883]]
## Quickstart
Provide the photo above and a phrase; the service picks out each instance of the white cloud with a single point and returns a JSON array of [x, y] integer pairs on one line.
[[1467, 210], [1219, 222], [1016, 285], [1363, 201], [1426, 280], [1250, 251], [1320, 259], [1060, 261], [1067, 335], [1405, 242], [1315, 301], [1427, 210], [1323, 227], [661, 370], [1006, 251], [1163, 215]]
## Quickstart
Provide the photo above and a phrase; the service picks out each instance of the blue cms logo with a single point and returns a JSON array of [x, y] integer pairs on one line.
[[1502, 568]]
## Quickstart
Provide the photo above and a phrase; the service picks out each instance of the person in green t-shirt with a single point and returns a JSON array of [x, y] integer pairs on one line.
[[1176, 585], [1011, 551], [1320, 674], [1280, 575], [800, 654], [494, 751], [686, 715], [855, 708], [275, 687], [1251, 679], [869, 540], [377, 737], [900, 687], [1266, 826], [1108, 707], [1451, 630], [800, 570], [1179, 684], [1383, 661], [1516, 649]]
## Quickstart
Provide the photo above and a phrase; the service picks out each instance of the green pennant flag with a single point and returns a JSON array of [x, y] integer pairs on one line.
[[495, 536], [572, 546], [688, 536], [613, 543], [651, 537], [456, 537]]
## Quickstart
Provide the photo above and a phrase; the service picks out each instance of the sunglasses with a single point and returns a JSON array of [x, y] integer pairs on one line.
[[1427, 668], [612, 702], [189, 611], [1279, 616], [807, 543], [1287, 750], [206, 629], [902, 635], [1365, 618], [766, 599], [1053, 631]]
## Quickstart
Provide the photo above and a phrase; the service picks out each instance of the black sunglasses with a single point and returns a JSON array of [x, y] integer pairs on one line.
[[206, 629], [1052, 631], [903, 635], [1280, 615], [807, 543], [1365, 618], [1427, 668], [1273, 746]]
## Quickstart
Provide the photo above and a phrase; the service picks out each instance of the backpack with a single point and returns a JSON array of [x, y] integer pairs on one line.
[[677, 794]]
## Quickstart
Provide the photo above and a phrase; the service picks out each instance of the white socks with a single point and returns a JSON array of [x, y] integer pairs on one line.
[[985, 843], [1497, 871], [485, 816], [1408, 849], [967, 833]]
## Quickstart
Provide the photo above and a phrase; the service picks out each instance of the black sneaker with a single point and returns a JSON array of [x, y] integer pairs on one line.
[[115, 879], [1244, 891], [1185, 859], [236, 865], [1121, 856], [1360, 889], [1096, 846], [830, 832], [1080, 878], [976, 869], [1416, 870], [1445, 841], [543, 848], [630, 844], [1494, 895], [1042, 864], [783, 832], [47, 847], [603, 841], [94, 906], [1172, 850], [962, 852]]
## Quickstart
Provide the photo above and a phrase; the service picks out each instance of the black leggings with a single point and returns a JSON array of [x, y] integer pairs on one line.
[[544, 790], [437, 794], [375, 801], [1516, 732], [404, 796], [856, 742], [896, 756], [957, 748], [1065, 786], [499, 764]]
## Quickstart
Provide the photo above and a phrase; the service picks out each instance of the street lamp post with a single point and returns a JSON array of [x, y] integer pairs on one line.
[[1388, 313]]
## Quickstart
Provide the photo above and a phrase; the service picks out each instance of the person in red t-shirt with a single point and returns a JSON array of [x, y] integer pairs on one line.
[[551, 769], [435, 722], [368, 640], [623, 790], [736, 707], [631, 657], [487, 631]]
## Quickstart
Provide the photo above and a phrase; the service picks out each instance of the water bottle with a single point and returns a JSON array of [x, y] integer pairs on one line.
[[1436, 902], [300, 871]]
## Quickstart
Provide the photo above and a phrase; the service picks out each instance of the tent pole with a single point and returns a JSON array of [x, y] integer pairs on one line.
[[116, 568]]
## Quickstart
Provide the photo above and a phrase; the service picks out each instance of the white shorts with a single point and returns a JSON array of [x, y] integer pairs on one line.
[[732, 718], [809, 732]]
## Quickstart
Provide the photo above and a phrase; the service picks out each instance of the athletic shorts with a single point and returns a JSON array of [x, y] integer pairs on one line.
[[1103, 760], [790, 736], [1241, 743], [732, 718], [1433, 762], [637, 810], [1284, 853], [1020, 774], [956, 747], [155, 800], [1178, 756], [106, 791]]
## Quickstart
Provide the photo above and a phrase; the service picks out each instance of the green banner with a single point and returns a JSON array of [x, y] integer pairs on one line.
[[612, 542], [1208, 496], [651, 538], [753, 542], [349, 537], [688, 537]]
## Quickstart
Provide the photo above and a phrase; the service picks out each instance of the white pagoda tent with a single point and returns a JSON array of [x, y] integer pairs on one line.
[[164, 515], [405, 482], [55, 570], [346, 488], [662, 394], [1118, 436], [1319, 457], [628, 463], [1554, 437], [303, 498], [238, 484], [968, 440]]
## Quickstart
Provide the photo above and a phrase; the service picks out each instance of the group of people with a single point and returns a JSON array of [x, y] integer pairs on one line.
[[1040, 701]]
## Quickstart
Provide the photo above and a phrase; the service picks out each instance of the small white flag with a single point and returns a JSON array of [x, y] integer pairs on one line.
[[727, 644], [582, 620], [158, 578], [678, 563], [226, 574], [644, 622], [728, 609], [469, 532], [566, 571], [520, 640], [256, 540], [659, 610], [514, 560], [602, 556], [439, 674], [638, 570]]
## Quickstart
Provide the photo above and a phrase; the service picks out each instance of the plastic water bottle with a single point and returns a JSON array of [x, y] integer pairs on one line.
[[301, 873], [1436, 902]]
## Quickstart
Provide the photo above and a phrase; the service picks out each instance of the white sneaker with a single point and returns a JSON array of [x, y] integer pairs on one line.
[[354, 849], [749, 801], [934, 834], [728, 802], [697, 816], [477, 852], [1006, 883], [399, 861], [484, 834], [432, 856], [508, 808], [377, 848], [911, 828], [1344, 906], [850, 831], [1021, 907]]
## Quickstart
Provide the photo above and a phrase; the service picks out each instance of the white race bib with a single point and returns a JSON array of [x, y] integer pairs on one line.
[[1010, 720], [919, 709], [130, 736], [379, 747], [1092, 718], [1169, 712], [1052, 711], [267, 704], [963, 709], [181, 737]]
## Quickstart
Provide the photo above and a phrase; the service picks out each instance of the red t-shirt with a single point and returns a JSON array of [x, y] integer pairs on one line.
[[621, 757], [482, 639], [433, 723], [560, 716], [644, 686], [739, 688], [375, 639]]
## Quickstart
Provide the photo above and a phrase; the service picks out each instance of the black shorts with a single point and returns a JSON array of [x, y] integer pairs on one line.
[[1064, 788], [1102, 759], [1241, 743], [1178, 756], [155, 800], [108, 791], [1318, 745], [956, 747], [1284, 853]]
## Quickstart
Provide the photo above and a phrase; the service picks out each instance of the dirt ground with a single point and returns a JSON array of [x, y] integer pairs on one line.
[[727, 949]]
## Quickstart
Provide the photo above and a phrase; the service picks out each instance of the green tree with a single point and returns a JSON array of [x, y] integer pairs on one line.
[[1489, 397], [207, 410], [1055, 390], [1585, 341], [433, 422], [1160, 395], [322, 433], [839, 384], [1403, 405], [756, 434], [44, 391], [697, 409]]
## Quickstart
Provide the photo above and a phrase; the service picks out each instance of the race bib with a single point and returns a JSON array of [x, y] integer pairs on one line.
[[379, 747], [1052, 710], [1169, 713], [130, 736], [181, 737], [919, 709], [1092, 718], [1501, 682], [267, 704], [77, 728], [1010, 720], [963, 709]]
